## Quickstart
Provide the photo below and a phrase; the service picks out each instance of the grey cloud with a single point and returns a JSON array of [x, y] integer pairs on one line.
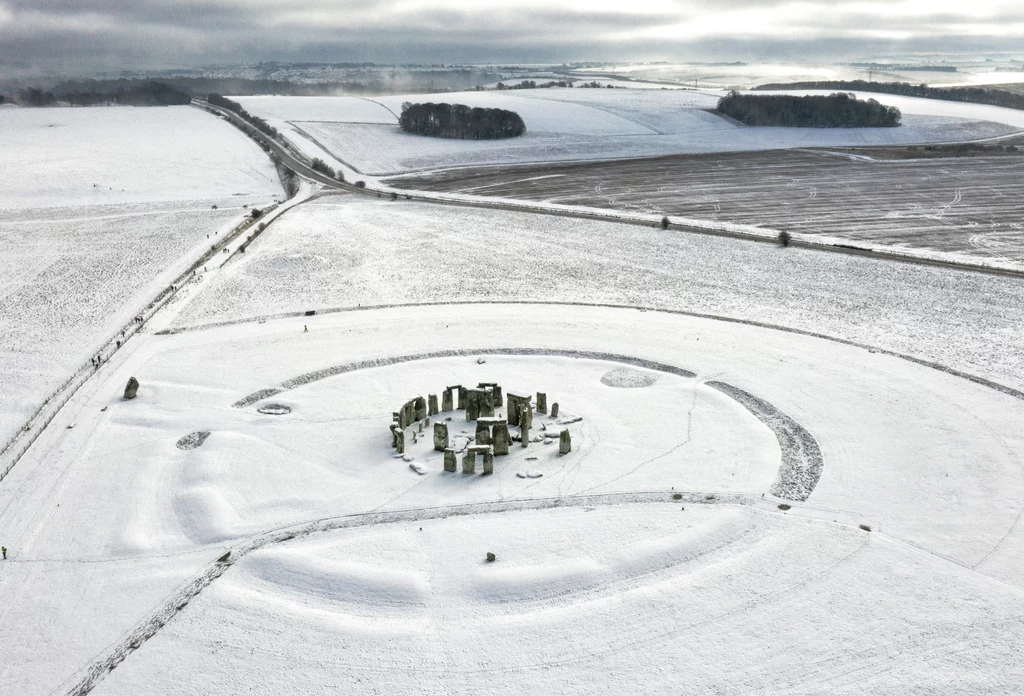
[[153, 33]]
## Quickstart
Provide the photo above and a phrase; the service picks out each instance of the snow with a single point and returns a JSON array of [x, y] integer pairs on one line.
[[593, 578], [80, 261], [581, 124], [330, 253], [290, 550], [336, 109], [116, 155], [707, 607]]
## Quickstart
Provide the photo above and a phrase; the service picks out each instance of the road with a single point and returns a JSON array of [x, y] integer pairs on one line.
[[301, 165]]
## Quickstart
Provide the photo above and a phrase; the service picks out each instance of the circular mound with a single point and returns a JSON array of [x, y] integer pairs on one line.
[[623, 378], [193, 440], [275, 409]]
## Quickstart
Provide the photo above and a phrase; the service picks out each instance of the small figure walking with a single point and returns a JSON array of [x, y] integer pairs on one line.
[[4, 549], [305, 329]]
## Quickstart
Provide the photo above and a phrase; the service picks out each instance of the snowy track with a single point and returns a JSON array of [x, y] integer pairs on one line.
[[88, 677]]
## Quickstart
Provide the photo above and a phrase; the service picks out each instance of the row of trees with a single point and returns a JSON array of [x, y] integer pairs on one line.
[[460, 121], [976, 95], [834, 111], [230, 105], [532, 84], [147, 93]]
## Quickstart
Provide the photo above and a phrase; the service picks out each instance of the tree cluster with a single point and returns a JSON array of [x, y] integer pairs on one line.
[[460, 121], [233, 106], [834, 111], [976, 95], [320, 166]]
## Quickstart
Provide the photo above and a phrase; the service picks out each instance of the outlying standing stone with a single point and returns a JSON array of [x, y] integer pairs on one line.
[[131, 389]]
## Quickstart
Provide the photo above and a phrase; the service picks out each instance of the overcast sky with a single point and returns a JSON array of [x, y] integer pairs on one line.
[[151, 33]]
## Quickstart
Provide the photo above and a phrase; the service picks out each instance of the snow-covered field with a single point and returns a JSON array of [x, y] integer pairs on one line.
[[346, 251], [585, 124], [102, 156], [81, 260], [406, 603], [193, 541]]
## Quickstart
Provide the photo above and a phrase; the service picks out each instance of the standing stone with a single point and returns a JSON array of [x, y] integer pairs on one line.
[[419, 429], [420, 408], [500, 437], [400, 441], [515, 406], [488, 462], [564, 442], [496, 388], [524, 434], [469, 461], [487, 402], [432, 405], [526, 416], [446, 400], [554, 410], [542, 402], [440, 436], [131, 389], [483, 433], [394, 434], [449, 460], [472, 402], [462, 396]]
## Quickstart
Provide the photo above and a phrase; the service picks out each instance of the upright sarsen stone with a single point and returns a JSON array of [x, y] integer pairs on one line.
[[131, 390], [542, 402], [440, 436], [564, 442], [419, 408], [432, 409], [450, 460], [554, 410]]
